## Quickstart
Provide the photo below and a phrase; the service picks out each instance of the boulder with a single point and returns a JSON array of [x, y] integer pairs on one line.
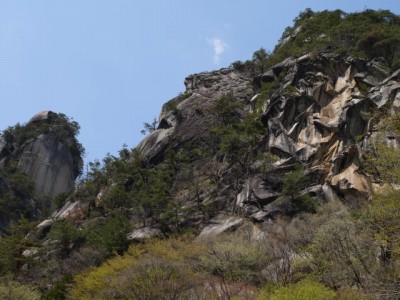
[[220, 224], [143, 233], [72, 211]]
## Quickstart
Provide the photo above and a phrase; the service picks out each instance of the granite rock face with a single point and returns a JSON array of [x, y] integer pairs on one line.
[[49, 163], [194, 107], [322, 121], [318, 114], [43, 149]]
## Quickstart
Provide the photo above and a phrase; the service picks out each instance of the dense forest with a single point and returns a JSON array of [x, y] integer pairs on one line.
[[289, 240]]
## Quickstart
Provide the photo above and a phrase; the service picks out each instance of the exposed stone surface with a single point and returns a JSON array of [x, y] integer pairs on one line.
[[202, 90], [320, 124], [144, 233], [45, 157], [49, 163], [220, 224], [318, 115], [41, 116], [71, 211]]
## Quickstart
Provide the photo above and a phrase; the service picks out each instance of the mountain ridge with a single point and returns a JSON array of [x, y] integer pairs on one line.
[[280, 167]]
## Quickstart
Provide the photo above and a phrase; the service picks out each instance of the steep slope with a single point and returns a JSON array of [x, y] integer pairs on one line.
[[319, 113], [277, 150], [46, 150]]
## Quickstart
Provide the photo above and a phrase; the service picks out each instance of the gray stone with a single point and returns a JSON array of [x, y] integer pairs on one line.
[[50, 165], [268, 76], [41, 116], [260, 216], [72, 210], [220, 224], [143, 233]]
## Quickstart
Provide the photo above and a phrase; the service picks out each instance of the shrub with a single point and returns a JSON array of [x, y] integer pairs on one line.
[[67, 236], [235, 258], [12, 290], [157, 269], [306, 289], [111, 235]]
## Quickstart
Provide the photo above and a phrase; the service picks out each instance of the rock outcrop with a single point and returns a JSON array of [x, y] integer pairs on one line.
[[46, 150], [323, 122], [188, 119], [318, 114], [49, 163]]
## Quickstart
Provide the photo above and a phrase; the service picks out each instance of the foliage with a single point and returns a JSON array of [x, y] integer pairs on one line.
[[293, 183], [63, 127], [111, 235], [380, 217], [149, 127], [364, 34], [226, 110], [236, 137], [59, 290], [18, 238], [267, 159], [15, 191], [260, 58], [172, 105], [306, 289], [67, 236], [12, 290], [384, 163], [383, 159], [59, 199], [235, 258], [158, 269], [341, 256], [145, 189]]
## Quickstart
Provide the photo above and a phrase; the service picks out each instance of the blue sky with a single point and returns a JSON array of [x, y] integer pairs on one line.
[[110, 65]]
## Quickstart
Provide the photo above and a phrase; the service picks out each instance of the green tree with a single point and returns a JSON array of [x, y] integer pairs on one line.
[[341, 255], [149, 127], [380, 218], [260, 59], [226, 110], [67, 235], [293, 183], [111, 235], [19, 237], [235, 260]]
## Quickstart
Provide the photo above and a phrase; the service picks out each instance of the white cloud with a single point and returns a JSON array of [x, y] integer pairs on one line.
[[219, 47]]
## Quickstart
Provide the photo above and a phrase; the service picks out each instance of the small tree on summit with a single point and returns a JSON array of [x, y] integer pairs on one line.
[[260, 58], [149, 127]]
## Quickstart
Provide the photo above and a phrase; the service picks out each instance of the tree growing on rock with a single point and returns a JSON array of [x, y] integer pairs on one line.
[[260, 59], [149, 127], [293, 183]]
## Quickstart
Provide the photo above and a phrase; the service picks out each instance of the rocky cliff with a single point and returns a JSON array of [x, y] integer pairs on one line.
[[46, 150], [319, 114], [260, 161]]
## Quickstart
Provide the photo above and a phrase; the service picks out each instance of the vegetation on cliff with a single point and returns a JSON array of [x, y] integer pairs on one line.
[[292, 243]]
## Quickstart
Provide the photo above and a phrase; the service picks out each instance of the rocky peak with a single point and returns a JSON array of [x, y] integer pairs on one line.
[[45, 149], [184, 118], [317, 110]]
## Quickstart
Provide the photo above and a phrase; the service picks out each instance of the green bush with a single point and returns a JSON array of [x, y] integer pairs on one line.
[[111, 235], [67, 235], [363, 34], [306, 289], [235, 258], [16, 291]]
